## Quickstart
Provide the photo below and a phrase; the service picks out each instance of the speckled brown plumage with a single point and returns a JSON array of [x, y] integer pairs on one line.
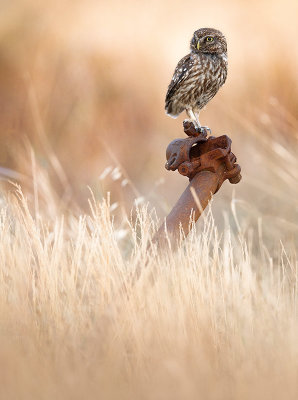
[[199, 75]]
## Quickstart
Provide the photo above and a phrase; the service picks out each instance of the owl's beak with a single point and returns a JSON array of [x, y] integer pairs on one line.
[[198, 45]]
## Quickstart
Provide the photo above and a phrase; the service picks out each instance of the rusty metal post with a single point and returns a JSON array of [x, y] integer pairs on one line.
[[207, 162]]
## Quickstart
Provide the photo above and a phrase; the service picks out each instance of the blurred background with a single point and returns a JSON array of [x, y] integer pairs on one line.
[[82, 87]]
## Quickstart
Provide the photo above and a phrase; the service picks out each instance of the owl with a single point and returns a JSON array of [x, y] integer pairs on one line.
[[199, 75]]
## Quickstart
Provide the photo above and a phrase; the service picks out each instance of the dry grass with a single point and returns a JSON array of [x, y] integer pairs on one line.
[[215, 319], [82, 89]]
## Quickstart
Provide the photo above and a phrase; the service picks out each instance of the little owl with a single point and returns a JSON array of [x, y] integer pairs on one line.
[[199, 75]]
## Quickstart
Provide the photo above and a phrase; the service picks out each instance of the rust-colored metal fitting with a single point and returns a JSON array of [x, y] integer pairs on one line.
[[196, 153], [207, 162]]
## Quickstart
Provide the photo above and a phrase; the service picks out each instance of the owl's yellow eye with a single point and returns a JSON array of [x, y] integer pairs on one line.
[[209, 39]]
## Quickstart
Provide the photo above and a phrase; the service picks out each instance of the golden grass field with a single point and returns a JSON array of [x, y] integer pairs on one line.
[[89, 308]]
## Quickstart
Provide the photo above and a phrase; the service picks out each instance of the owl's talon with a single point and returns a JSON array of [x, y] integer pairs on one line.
[[204, 129]]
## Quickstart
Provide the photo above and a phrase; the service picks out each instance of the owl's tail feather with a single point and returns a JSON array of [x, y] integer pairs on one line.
[[174, 113]]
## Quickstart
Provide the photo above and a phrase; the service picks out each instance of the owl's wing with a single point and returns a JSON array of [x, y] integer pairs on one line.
[[180, 74]]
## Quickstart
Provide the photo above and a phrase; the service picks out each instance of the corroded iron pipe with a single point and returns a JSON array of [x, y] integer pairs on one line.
[[191, 203]]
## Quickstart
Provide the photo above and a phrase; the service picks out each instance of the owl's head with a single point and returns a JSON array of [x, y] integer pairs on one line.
[[208, 40]]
